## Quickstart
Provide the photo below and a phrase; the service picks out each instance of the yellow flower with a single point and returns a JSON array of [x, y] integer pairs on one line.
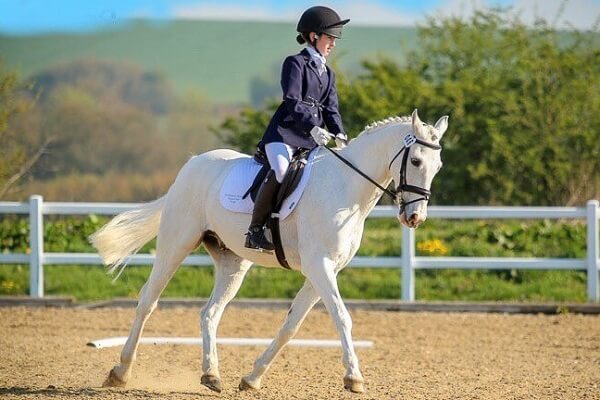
[[432, 247], [8, 286]]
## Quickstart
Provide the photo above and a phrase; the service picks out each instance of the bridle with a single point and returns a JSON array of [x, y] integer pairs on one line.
[[396, 194], [410, 140]]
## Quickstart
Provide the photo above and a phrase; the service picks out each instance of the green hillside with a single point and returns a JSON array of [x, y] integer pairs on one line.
[[219, 58]]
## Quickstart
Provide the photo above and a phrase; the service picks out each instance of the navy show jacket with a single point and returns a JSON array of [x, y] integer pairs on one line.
[[309, 100]]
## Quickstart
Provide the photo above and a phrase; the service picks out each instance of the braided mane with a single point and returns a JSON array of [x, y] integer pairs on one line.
[[385, 122]]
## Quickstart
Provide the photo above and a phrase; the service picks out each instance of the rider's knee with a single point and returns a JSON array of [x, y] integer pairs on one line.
[[279, 173]]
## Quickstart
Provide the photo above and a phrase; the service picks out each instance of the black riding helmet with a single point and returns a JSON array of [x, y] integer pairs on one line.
[[320, 19]]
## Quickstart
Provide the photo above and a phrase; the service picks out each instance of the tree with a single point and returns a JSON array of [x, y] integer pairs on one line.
[[111, 122], [244, 131], [123, 82], [17, 154], [113, 116], [523, 104]]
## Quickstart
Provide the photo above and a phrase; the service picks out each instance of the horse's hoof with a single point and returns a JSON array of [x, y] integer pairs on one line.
[[113, 380], [212, 382], [354, 386], [245, 384]]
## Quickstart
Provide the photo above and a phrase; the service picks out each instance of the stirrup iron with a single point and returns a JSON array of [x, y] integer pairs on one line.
[[256, 240]]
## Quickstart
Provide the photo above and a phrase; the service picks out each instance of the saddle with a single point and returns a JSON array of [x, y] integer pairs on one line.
[[290, 180], [289, 184]]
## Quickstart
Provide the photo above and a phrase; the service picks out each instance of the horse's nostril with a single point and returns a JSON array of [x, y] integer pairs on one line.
[[414, 218]]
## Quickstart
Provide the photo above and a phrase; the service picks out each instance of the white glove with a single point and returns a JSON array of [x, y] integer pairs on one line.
[[341, 140], [320, 135]]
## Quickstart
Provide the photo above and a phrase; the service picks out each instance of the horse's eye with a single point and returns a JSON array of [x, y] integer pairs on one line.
[[416, 162]]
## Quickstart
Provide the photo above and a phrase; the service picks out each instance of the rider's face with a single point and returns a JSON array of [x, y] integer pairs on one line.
[[325, 44]]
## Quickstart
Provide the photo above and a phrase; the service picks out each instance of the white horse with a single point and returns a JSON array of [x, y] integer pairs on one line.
[[320, 237]]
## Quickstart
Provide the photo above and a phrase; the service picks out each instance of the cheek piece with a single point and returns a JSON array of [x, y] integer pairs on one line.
[[409, 140]]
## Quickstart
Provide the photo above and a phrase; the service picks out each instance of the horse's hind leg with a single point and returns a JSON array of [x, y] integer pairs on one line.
[[175, 241], [230, 270], [302, 304]]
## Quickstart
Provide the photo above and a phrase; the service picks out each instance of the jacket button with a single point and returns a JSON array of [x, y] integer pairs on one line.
[[316, 115], [320, 85]]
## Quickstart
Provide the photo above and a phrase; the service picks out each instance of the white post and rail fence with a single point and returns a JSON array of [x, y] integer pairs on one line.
[[408, 262]]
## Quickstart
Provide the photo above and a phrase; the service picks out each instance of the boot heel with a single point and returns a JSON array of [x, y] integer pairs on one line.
[[256, 240]]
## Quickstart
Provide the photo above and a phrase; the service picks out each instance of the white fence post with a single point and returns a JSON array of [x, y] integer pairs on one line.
[[36, 244], [408, 256], [593, 290]]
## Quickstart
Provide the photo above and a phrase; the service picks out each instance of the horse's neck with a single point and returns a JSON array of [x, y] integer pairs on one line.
[[370, 153]]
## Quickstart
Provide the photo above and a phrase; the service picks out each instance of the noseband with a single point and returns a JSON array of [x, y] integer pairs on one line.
[[396, 194]]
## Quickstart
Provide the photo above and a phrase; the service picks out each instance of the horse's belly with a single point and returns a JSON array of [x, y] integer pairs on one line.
[[231, 227]]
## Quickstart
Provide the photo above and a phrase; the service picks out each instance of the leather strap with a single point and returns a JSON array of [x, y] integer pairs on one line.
[[393, 195], [279, 252], [273, 221]]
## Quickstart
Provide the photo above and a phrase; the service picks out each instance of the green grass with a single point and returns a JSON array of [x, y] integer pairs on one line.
[[382, 237], [91, 283]]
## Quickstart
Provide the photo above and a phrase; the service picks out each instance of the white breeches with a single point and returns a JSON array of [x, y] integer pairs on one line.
[[279, 155]]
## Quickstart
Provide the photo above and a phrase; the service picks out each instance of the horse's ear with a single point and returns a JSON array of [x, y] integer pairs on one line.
[[441, 125], [417, 125]]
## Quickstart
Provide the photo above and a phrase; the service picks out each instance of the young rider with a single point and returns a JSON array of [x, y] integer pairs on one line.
[[310, 104]]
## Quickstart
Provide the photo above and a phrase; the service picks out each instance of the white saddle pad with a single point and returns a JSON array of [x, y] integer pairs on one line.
[[242, 175]]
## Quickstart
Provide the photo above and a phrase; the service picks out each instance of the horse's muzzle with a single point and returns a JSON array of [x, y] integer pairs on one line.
[[414, 221]]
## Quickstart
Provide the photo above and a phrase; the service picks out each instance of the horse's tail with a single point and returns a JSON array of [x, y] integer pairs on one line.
[[126, 233]]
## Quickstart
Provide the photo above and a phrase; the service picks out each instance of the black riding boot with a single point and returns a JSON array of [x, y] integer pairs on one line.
[[255, 238]]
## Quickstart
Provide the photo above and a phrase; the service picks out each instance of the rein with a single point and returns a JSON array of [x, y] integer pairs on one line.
[[396, 194], [392, 194]]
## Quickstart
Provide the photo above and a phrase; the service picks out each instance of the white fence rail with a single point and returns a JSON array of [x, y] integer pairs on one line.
[[408, 262]]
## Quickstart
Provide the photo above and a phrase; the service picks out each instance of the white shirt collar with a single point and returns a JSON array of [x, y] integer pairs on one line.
[[315, 55]]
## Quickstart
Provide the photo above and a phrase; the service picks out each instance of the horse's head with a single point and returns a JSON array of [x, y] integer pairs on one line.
[[414, 166]]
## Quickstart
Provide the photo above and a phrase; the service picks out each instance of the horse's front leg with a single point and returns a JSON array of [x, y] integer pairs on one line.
[[302, 304], [320, 271]]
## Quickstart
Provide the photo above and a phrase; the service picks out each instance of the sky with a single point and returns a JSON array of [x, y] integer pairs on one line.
[[41, 16]]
